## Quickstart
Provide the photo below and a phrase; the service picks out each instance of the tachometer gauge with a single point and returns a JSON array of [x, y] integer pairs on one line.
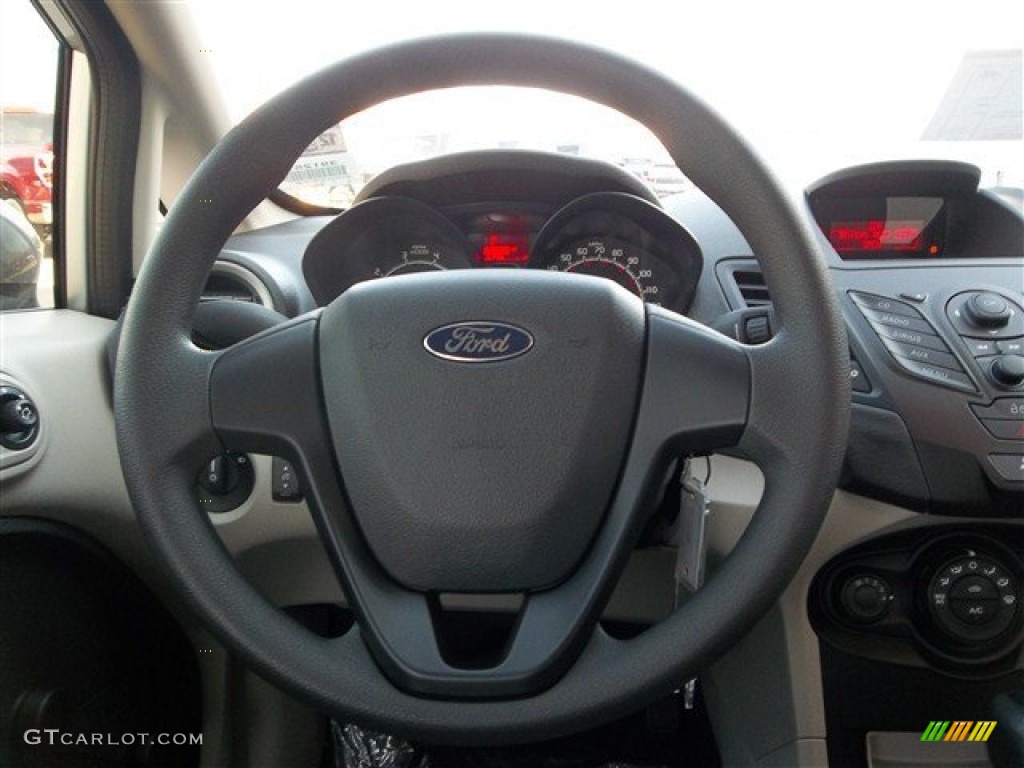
[[624, 239], [418, 257], [381, 237]]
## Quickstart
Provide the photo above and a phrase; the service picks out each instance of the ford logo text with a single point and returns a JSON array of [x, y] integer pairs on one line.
[[478, 342]]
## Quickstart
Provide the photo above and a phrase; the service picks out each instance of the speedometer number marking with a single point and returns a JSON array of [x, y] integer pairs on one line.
[[610, 261]]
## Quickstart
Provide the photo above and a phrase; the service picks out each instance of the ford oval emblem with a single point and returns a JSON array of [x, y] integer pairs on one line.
[[478, 342]]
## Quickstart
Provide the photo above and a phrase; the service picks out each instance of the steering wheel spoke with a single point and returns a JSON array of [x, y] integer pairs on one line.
[[402, 630], [696, 393], [265, 391], [265, 397]]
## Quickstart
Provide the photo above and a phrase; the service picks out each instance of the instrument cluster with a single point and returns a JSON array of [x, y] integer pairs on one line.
[[613, 235]]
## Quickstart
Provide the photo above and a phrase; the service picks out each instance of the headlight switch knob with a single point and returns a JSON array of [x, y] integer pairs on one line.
[[19, 419]]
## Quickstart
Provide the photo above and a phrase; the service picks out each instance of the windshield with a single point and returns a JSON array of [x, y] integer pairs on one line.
[[813, 91]]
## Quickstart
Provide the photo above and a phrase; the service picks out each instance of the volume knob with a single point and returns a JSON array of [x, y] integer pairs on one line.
[[1008, 370], [987, 310]]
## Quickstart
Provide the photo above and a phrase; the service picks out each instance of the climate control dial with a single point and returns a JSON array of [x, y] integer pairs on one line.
[[974, 598]]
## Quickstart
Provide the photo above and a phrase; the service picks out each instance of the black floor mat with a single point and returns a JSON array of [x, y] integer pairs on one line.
[[665, 736]]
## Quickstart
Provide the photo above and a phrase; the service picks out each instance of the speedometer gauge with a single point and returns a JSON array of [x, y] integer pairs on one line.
[[626, 240], [611, 259]]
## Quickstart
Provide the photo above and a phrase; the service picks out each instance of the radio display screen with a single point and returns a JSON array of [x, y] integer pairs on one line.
[[881, 228]]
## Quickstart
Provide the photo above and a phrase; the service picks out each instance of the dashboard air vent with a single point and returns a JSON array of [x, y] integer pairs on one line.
[[231, 282], [750, 284]]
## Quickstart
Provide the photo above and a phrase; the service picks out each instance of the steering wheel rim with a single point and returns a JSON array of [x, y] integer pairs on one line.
[[794, 427]]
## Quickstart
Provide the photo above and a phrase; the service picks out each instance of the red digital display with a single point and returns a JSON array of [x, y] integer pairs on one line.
[[874, 235], [504, 249]]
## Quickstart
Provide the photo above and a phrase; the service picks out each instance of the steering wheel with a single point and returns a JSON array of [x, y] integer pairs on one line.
[[524, 461]]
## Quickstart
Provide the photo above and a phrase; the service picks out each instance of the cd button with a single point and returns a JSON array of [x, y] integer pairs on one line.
[[883, 304]]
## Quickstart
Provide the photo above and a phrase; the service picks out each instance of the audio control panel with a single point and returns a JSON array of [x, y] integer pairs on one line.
[[914, 343], [991, 327], [938, 386]]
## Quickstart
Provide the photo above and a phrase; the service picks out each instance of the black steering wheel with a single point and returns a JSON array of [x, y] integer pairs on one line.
[[523, 461]]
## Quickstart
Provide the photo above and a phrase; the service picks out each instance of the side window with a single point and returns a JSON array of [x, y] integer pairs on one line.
[[28, 87]]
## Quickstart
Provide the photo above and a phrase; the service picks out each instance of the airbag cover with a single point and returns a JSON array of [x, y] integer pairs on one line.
[[490, 474]]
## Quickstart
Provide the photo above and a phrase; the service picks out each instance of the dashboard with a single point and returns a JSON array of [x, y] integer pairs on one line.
[[930, 274], [928, 266]]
